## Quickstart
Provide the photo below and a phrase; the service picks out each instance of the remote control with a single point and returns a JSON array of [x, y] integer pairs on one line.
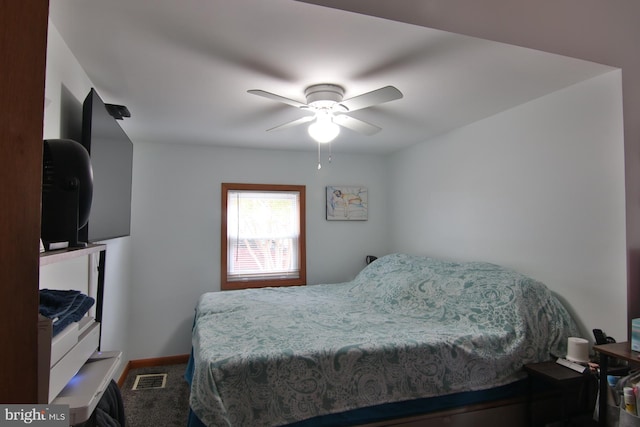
[[571, 365]]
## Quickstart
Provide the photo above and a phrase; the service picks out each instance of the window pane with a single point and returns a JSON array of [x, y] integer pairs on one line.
[[262, 235]]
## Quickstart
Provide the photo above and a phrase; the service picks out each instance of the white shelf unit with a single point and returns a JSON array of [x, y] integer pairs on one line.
[[72, 370], [83, 393], [59, 255]]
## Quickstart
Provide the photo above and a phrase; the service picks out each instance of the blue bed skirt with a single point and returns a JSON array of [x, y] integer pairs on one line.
[[395, 410]]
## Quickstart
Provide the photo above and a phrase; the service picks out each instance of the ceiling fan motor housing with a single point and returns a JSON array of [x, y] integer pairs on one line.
[[323, 95]]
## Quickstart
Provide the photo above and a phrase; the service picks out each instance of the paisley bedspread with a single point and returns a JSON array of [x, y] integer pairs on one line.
[[406, 327]]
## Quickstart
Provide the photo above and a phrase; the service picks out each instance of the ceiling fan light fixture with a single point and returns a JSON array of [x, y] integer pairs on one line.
[[326, 101], [323, 129]]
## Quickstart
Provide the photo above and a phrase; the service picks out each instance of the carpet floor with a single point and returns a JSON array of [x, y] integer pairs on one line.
[[157, 407]]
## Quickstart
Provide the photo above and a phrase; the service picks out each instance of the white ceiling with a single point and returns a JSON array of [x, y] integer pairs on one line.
[[183, 69]]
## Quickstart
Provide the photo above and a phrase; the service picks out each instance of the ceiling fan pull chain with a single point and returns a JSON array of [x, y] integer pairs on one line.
[[329, 152], [319, 164]]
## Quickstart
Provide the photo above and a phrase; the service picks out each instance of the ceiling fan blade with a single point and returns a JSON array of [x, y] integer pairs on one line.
[[293, 123], [356, 125], [278, 98], [375, 97]]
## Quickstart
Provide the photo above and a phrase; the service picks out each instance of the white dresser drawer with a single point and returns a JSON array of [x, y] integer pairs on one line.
[[73, 360]]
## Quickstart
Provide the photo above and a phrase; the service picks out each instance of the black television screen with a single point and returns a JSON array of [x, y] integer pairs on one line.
[[111, 153]]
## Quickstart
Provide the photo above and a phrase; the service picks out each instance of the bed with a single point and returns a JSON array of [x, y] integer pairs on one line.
[[407, 329]]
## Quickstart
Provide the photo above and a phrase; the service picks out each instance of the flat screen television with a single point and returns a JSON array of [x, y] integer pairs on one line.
[[111, 153]]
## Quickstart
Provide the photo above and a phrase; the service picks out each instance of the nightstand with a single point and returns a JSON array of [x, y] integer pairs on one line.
[[576, 393]]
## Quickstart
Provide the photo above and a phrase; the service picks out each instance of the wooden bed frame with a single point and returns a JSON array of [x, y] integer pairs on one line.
[[507, 413], [512, 412]]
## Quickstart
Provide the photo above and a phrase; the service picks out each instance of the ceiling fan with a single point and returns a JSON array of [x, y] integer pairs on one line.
[[330, 111]]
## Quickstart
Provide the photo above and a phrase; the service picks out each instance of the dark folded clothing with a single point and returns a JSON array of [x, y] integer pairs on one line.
[[64, 307]]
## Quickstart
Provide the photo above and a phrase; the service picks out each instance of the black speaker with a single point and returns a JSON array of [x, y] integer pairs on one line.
[[67, 191]]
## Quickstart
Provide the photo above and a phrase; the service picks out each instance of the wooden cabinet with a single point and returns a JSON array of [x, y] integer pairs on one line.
[[72, 369], [23, 49], [575, 391]]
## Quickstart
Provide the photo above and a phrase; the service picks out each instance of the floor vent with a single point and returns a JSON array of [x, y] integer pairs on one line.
[[144, 382]]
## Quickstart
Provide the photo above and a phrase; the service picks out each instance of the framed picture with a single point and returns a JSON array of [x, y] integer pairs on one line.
[[347, 203]]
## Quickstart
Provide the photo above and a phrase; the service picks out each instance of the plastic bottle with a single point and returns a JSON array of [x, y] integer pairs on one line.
[[629, 400]]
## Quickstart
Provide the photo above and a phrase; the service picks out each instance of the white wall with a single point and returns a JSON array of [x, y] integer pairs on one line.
[[66, 87], [176, 228], [154, 277], [539, 188]]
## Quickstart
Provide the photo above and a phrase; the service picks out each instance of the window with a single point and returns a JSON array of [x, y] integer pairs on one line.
[[263, 236]]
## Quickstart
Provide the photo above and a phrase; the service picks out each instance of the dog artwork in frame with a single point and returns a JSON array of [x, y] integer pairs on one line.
[[347, 203]]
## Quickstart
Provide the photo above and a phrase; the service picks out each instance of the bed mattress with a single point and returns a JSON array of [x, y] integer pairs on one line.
[[405, 328]]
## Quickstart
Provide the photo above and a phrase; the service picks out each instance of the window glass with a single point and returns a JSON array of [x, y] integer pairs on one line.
[[263, 235]]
